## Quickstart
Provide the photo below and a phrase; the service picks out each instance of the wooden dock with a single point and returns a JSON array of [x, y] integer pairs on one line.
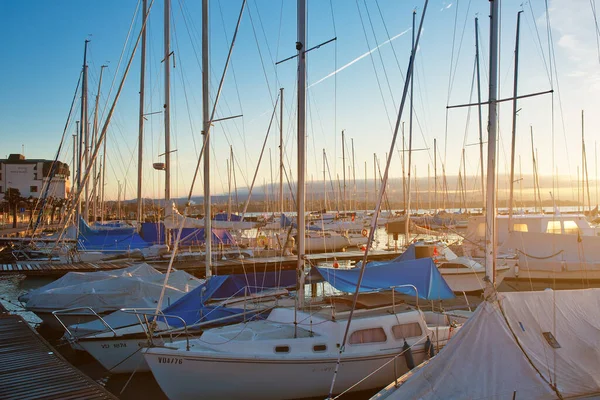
[[195, 267], [32, 369]]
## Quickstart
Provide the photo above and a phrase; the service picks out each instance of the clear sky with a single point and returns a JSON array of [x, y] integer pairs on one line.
[[43, 49]]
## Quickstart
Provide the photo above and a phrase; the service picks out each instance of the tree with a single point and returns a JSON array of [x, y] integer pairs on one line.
[[13, 197]]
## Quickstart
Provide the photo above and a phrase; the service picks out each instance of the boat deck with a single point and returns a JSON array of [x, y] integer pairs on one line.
[[32, 369], [195, 267]]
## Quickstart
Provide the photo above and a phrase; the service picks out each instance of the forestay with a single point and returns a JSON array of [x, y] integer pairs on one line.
[[421, 273]]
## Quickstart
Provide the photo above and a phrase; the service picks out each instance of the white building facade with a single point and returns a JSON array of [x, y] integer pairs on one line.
[[31, 176]]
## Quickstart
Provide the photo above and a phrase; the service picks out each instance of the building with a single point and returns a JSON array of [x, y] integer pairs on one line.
[[31, 176]]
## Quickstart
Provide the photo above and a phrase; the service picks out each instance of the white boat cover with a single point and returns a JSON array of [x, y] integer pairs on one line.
[[173, 221], [136, 286], [484, 361]]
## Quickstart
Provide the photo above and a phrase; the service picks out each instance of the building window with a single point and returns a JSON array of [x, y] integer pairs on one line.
[[363, 336], [0, 176], [407, 330], [33, 189], [1, 189]]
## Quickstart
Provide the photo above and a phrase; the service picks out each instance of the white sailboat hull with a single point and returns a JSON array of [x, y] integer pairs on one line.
[[118, 355], [187, 375], [326, 244]]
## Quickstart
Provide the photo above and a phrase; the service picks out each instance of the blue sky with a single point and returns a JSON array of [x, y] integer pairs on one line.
[[43, 47]]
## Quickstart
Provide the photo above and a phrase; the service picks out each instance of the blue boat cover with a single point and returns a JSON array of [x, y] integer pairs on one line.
[[421, 273], [228, 217], [155, 233], [192, 309], [409, 254], [286, 222], [113, 240]]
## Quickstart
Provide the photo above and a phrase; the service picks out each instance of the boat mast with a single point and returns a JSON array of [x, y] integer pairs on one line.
[[281, 152], [514, 128], [479, 112], [410, 133], [435, 185], [587, 177], [205, 124], [300, 46], [353, 175], [228, 190], [490, 243], [82, 125], [141, 117], [85, 130], [167, 106], [94, 139], [344, 171], [534, 171]]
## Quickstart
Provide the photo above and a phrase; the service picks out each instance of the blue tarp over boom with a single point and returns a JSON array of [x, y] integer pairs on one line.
[[192, 308], [286, 222], [421, 273], [113, 240], [155, 234]]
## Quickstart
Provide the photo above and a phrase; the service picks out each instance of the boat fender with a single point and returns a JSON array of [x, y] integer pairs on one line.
[[516, 270], [429, 348], [408, 356], [335, 263], [364, 232]]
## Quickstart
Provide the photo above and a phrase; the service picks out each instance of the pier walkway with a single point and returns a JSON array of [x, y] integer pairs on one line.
[[195, 267], [32, 369]]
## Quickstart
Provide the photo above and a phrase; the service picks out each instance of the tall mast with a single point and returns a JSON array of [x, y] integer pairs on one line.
[[85, 129], [206, 122], [479, 112], [353, 175], [228, 190], [403, 170], [464, 183], [281, 152], [167, 106], [490, 243], [374, 173], [514, 128], [103, 179], [82, 127], [435, 185], [534, 171], [585, 168], [141, 117], [410, 133], [300, 46], [344, 170], [366, 195], [95, 138]]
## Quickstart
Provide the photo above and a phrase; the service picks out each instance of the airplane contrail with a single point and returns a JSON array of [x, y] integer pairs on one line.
[[358, 58]]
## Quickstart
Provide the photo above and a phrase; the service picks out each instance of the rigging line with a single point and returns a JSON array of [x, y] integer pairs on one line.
[[390, 40], [237, 89], [374, 67], [335, 68], [46, 186], [380, 55], [131, 25], [593, 5], [553, 62], [462, 35], [541, 48], [450, 79]]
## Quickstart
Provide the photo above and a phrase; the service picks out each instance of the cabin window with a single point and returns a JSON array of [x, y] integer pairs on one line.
[[372, 335], [317, 348], [553, 227], [282, 349], [571, 228], [407, 330], [520, 228], [481, 230]]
